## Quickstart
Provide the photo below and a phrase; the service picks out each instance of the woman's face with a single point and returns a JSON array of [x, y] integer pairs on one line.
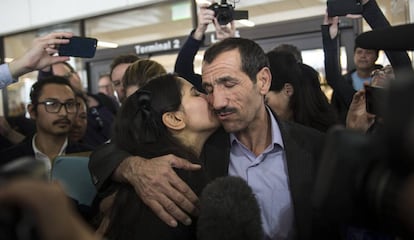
[[198, 115], [80, 123]]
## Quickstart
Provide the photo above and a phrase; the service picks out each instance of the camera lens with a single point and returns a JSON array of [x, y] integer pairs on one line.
[[224, 17]]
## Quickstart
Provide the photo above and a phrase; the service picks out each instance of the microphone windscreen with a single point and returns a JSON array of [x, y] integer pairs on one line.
[[229, 211], [396, 38]]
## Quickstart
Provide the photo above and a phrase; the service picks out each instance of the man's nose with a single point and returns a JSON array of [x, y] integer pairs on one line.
[[218, 99]]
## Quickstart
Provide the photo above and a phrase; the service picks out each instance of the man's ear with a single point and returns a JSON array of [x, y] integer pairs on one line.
[[288, 89], [32, 111], [264, 80], [173, 120]]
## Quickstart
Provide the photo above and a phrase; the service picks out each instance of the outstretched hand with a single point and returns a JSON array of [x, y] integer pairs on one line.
[[40, 54], [160, 188]]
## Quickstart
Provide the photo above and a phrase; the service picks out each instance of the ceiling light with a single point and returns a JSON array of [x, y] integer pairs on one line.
[[199, 2], [246, 22], [107, 44]]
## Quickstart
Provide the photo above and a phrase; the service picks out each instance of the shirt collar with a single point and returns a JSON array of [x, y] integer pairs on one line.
[[41, 155]]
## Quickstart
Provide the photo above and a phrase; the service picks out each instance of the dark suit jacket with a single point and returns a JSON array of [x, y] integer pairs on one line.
[[303, 147], [24, 149]]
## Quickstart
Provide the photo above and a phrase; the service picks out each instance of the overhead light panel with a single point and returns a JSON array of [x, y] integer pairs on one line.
[[103, 44], [246, 22]]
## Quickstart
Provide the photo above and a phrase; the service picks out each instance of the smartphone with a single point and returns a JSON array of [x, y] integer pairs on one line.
[[82, 47], [374, 99], [343, 7]]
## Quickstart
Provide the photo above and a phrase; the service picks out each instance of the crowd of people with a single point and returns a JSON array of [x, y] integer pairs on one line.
[[231, 153]]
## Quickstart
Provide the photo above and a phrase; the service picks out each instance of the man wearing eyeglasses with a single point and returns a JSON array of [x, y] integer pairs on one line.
[[53, 108]]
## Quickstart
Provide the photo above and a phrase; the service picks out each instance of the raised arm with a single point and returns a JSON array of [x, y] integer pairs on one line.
[[334, 77], [40, 55], [154, 180], [37, 57], [184, 65], [377, 20]]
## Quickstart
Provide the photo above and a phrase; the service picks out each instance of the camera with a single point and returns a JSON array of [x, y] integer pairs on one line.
[[225, 12], [361, 178]]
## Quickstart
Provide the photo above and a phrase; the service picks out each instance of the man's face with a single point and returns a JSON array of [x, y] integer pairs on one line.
[[364, 59], [105, 86], [80, 122], [116, 77], [232, 94], [56, 124], [62, 70]]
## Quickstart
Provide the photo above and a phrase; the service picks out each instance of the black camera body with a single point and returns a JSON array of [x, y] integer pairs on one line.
[[225, 13]]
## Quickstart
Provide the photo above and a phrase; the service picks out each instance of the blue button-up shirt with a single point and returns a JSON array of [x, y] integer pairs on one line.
[[267, 175], [5, 76]]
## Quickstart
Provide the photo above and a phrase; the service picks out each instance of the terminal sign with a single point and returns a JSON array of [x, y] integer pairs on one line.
[[159, 46]]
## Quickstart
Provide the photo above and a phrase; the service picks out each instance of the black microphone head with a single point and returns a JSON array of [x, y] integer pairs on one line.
[[229, 211], [397, 38]]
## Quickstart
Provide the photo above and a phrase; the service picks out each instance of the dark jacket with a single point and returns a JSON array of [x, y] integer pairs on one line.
[[25, 149]]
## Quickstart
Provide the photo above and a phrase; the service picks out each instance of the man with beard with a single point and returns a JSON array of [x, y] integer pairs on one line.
[[53, 108]]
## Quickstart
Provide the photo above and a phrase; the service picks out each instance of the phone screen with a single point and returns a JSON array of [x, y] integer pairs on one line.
[[374, 97], [343, 7], [83, 47]]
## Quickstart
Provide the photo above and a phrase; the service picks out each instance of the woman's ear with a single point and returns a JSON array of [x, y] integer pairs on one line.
[[288, 89], [173, 120]]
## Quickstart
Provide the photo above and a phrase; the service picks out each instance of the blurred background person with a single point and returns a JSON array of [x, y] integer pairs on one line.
[[295, 93], [117, 70], [80, 123], [139, 73], [105, 86]]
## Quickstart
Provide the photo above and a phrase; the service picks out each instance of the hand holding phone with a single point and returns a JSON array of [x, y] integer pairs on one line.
[[344, 7], [83, 47]]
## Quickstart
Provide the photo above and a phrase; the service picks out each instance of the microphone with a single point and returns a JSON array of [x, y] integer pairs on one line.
[[229, 211], [396, 38]]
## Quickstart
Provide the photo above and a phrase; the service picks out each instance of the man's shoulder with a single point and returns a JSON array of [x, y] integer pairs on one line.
[[302, 135]]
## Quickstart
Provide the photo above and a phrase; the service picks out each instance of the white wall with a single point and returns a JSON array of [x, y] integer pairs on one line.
[[21, 15]]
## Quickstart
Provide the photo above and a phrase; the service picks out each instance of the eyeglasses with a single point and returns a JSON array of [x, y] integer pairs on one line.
[[52, 106]]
